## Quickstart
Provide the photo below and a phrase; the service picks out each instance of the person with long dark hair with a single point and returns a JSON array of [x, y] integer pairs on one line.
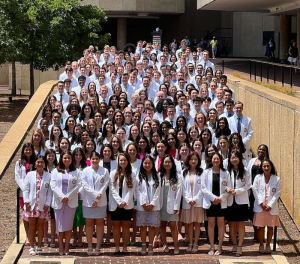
[[170, 197], [216, 181], [238, 200], [95, 180], [266, 189], [192, 206], [37, 199], [107, 133], [86, 113], [65, 183], [148, 202], [24, 165], [121, 190], [222, 129]]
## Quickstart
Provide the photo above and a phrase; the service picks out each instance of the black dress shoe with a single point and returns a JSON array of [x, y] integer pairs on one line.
[[117, 252]]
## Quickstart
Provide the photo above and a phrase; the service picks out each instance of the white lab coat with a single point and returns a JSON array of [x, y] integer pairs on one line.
[[174, 195], [142, 194], [274, 190], [127, 193], [73, 189], [209, 197], [20, 175], [113, 164], [91, 187], [187, 193], [45, 194], [177, 163], [246, 131], [241, 189]]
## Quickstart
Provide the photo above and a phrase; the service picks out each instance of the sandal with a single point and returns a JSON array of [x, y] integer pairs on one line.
[[189, 249], [195, 248], [143, 252], [261, 250], [166, 249], [97, 251], [211, 252], [46, 242], [176, 252], [218, 252], [234, 249], [150, 252], [32, 252], [90, 252], [39, 250], [239, 251], [268, 249]]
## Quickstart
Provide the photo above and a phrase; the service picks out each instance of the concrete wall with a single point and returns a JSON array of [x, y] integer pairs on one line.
[[276, 123], [4, 74], [153, 6], [23, 78], [250, 44]]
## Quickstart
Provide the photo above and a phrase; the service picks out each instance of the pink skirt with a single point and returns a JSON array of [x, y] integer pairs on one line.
[[194, 214], [264, 218]]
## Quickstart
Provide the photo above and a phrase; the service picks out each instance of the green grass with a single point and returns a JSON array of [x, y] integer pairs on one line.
[[286, 89]]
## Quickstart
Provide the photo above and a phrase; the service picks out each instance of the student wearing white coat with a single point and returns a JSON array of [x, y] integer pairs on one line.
[[216, 181], [95, 180], [23, 166], [238, 200], [192, 205], [121, 190], [37, 199], [170, 197], [107, 161], [148, 202], [65, 183], [242, 125], [135, 161], [266, 189]]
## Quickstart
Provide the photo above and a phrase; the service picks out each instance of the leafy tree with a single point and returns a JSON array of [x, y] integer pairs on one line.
[[51, 32]]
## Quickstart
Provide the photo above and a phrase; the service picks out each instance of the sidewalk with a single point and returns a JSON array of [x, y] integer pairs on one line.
[[250, 254]]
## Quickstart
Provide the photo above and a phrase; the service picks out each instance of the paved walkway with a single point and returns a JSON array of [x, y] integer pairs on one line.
[[250, 253]]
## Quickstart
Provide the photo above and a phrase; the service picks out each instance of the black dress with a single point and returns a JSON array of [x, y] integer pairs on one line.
[[237, 212], [121, 214], [255, 170], [106, 165], [216, 210]]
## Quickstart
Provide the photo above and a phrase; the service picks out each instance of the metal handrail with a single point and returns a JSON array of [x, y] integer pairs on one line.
[[276, 64], [18, 216]]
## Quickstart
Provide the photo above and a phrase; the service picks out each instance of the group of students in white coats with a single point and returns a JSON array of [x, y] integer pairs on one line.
[[163, 194]]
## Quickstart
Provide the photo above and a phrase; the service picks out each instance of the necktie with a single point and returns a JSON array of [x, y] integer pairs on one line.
[[239, 125], [172, 122], [61, 98], [204, 69], [213, 96], [68, 92], [230, 115], [112, 86]]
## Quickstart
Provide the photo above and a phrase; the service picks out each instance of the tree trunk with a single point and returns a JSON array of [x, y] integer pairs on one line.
[[13, 79], [31, 80]]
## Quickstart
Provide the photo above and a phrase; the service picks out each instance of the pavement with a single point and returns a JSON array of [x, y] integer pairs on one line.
[[79, 255]]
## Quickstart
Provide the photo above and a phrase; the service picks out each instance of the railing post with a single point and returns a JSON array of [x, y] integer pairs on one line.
[[275, 238], [250, 70], [261, 71], [274, 74], [282, 76], [291, 76], [267, 72], [255, 71], [223, 66], [18, 216]]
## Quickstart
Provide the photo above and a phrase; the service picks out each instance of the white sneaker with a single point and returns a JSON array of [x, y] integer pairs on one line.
[[32, 252]]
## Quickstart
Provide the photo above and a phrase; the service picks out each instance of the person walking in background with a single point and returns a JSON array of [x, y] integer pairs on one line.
[[293, 54], [214, 47]]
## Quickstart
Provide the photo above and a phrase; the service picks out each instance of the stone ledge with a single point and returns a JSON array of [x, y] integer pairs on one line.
[[14, 137], [268, 93]]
